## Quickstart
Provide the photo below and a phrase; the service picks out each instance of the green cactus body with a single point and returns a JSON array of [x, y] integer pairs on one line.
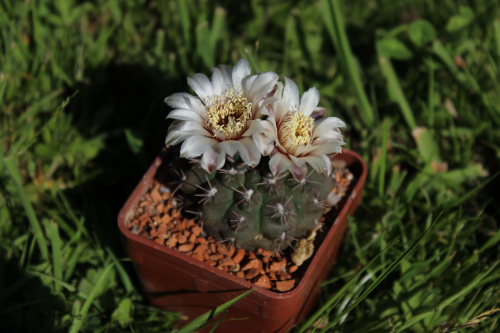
[[251, 208]]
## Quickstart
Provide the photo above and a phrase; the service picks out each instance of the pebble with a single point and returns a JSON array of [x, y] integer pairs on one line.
[[278, 265], [185, 247], [254, 263], [263, 282], [285, 285], [227, 262], [202, 248], [211, 262], [240, 254], [160, 208], [251, 273], [171, 242], [196, 230], [198, 256], [231, 250], [216, 256], [182, 239]]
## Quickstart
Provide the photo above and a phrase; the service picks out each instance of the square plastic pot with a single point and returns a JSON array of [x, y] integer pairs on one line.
[[177, 282]]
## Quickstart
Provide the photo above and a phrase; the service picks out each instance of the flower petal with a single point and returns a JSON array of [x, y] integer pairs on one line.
[[318, 113], [213, 160], [327, 170], [298, 172], [249, 152], [179, 100], [184, 114], [240, 70], [230, 147], [255, 127], [180, 130], [265, 144], [309, 101], [291, 96], [246, 84], [279, 163], [264, 102], [305, 150], [197, 145], [221, 79], [328, 148], [201, 85], [174, 138], [269, 128], [185, 101], [262, 85], [327, 128], [316, 162], [280, 111], [190, 127], [297, 161]]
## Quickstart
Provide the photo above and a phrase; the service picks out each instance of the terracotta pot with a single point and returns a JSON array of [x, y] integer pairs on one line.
[[177, 282]]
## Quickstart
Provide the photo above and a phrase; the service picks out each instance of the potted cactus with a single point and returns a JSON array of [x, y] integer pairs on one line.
[[260, 179]]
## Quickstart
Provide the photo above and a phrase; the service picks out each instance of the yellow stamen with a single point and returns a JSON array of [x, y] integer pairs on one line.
[[295, 130], [229, 114]]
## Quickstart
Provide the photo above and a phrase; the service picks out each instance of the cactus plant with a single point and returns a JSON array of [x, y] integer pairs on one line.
[[252, 208], [256, 138]]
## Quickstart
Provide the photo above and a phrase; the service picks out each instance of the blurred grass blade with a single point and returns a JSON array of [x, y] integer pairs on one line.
[[395, 91], [382, 277], [464, 290], [469, 194], [98, 288], [68, 286], [332, 302], [250, 57], [10, 165], [424, 137], [442, 53], [55, 244], [129, 286], [496, 28], [217, 323], [23, 146], [333, 17], [217, 28], [426, 144], [200, 322], [383, 158], [203, 47], [73, 260], [185, 22], [495, 239]]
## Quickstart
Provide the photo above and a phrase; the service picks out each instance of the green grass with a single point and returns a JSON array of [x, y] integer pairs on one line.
[[82, 116]]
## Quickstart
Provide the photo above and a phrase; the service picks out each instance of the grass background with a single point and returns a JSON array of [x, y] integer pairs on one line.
[[82, 85]]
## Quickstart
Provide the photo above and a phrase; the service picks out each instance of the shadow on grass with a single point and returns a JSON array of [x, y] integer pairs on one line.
[[124, 104], [26, 305]]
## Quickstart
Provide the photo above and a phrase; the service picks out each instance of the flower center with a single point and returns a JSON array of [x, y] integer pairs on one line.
[[295, 131], [228, 114]]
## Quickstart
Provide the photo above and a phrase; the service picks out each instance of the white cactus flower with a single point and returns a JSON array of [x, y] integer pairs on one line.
[[295, 136], [223, 118]]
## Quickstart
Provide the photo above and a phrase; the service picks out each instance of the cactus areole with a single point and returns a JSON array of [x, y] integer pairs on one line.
[[255, 161]]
